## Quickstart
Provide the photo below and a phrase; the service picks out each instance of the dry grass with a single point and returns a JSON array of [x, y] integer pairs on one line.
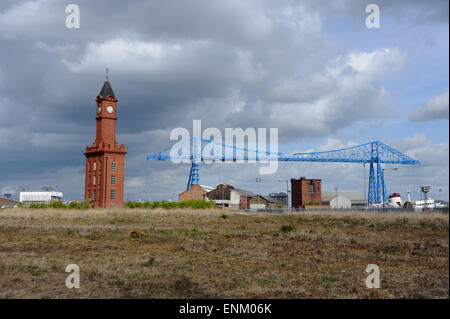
[[216, 254]]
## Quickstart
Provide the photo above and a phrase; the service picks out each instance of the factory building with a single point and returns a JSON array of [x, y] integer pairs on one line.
[[306, 192], [227, 196], [195, 192], [343, 199], [280, 198], [7, 202], [262, 202], [40, 197]]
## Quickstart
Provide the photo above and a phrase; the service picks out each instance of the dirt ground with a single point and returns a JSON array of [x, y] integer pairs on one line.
[[217, 254]]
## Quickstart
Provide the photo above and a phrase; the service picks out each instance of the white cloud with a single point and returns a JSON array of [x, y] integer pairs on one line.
[[344, 93], [379, 62], [437, 108]]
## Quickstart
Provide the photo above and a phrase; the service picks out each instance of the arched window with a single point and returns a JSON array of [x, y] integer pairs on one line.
[[114, 165]]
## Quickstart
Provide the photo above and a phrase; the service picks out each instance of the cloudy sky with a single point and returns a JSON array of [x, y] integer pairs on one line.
[[312, 69]]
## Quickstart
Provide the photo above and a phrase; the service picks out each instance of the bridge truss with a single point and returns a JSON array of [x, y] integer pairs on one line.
[[196, 150]]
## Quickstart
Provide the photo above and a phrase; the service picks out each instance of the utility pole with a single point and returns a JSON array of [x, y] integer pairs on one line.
[[337, 197], [287, 190], [258, 180]]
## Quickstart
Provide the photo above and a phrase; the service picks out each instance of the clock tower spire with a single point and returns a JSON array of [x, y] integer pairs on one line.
[[105, 159]]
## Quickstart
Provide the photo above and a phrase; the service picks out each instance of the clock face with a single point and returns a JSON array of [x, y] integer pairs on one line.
[[99, 109], [110, 109]]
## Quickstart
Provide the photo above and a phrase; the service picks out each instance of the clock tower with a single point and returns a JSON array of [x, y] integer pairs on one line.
[[105, 159]]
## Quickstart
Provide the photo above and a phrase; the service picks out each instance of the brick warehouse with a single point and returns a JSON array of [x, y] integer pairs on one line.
[[195, 192], [306, 191], [105, 159]]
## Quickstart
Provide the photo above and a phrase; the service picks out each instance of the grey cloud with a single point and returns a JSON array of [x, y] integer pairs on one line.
[[437, 108], [240, 63]]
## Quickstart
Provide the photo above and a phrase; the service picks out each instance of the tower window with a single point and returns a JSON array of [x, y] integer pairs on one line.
[[95, 166], [93, 195], [114, 165], [113, 194], [312, 188], [113, 179], [94, 180]]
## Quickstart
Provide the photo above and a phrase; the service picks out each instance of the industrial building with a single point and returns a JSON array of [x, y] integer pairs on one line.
[[226, 195], [306, 193], [7, 202], [280, 198], [195, 192], [340, 199], [40, 197], [262, 202]]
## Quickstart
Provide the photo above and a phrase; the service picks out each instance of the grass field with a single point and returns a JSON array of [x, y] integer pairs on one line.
[[216, 254]]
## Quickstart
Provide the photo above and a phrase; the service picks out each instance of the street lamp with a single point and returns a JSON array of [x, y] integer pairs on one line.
[[287, 190], [258, 180]]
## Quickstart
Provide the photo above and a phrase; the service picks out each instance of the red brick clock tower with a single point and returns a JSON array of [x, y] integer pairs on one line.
[[105, 159]]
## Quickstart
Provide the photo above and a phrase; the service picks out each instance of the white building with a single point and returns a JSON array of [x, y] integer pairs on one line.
[[343, 199], [40, 197], [340, 202]]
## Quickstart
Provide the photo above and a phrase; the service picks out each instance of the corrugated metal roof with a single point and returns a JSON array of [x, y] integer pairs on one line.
[[268, 198], [244, 192], [206, 188], [7, 202]]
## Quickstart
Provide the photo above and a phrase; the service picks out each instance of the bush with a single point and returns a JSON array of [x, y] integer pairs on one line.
[[312, 204], [60, 205], [192, 203], [56, 204], [279, 205], [287, 228]]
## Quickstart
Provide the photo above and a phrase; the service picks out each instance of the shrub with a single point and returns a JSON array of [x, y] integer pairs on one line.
[[56, 204], [312, 204], [279, 205], [87, 203], [287, 228], [192, 203], [60, 205]]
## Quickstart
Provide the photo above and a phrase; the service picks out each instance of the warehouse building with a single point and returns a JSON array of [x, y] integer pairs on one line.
[[343, 199], [195, 192], [226, 195], [280, 198], [262, 202], [7, 202], [40, 197]]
